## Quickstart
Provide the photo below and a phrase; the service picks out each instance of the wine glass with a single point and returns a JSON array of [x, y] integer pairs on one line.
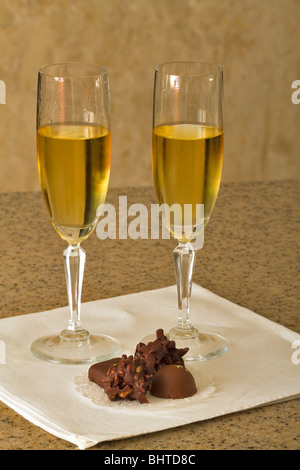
[[187, 152], [74, 147]]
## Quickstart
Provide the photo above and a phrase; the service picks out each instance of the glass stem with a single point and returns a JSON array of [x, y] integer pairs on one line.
[[184, 260], [74, 257]]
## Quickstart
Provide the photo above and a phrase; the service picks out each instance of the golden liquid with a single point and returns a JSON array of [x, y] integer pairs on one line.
[[187, 166], [74, 168]]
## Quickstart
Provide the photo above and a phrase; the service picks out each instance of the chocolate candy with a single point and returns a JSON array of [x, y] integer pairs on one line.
[[131, 377], [128, 380], [160, 352], [173, 381], [98, 371]]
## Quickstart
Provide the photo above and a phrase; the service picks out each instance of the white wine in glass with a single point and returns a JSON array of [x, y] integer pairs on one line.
[[74, 147], [74, 168], [187, 153]]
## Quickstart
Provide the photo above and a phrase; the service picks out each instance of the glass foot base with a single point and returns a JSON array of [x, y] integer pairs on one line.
[[203, 346], [63, 351]]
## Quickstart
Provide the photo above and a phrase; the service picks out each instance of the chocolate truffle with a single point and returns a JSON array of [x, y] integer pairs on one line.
[[99, 370], [173, 381]]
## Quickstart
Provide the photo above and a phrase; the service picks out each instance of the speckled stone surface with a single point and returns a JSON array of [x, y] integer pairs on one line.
[[250, 257]]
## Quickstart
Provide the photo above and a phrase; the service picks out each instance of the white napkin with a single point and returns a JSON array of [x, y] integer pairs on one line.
[[257, 370]]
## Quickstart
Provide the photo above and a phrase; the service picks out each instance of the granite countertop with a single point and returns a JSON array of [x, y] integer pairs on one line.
[[250, 257]]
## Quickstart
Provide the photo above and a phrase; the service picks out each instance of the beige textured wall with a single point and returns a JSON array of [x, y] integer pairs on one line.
[[256, 41]]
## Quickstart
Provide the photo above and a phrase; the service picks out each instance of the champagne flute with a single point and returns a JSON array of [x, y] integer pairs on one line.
[[187, 152], [73, 147]]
